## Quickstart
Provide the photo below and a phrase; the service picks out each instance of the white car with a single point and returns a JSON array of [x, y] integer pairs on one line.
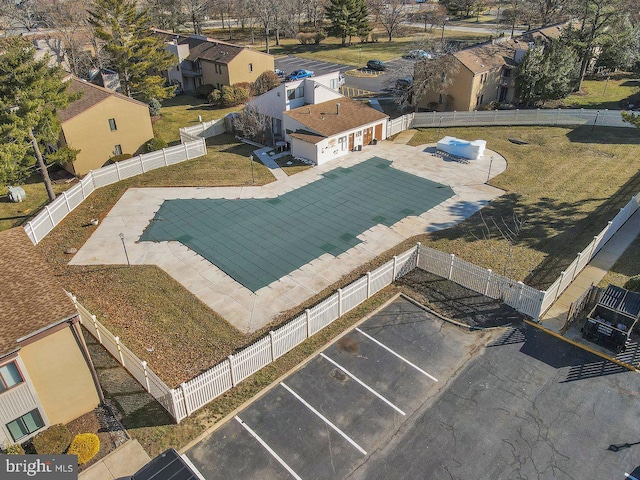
[[419, 55]]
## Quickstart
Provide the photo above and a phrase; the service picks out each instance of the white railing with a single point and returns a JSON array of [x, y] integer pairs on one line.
[[56, 211], [603, 118], [584, 257], [136, 367], [203, 130]]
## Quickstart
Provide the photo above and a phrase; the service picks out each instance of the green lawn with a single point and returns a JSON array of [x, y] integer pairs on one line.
[[614, 94], [182, 111], [291, 166], [566, 184]]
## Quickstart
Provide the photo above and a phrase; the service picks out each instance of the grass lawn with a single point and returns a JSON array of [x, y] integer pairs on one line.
[[295, 166], [182, 111], [614, 94], [626, 267]]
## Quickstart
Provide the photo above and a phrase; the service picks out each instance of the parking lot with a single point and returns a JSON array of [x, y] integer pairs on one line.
[[406, 395], [397, 68]]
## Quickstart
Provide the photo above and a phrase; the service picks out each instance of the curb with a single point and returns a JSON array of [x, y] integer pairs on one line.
[[583, 347]]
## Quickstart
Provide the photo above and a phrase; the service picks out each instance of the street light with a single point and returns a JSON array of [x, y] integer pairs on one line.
[[125, 249], [444, 22], [489, 175], [251, 164]]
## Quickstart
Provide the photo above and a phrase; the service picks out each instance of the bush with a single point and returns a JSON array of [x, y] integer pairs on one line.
[[633, 284], [229, 96], [214, 97], [15, 449], [267, 80], [203, 91], [155, 144], [53, 441], [154, 107], [248, 86], [119, 158], [85, 446]]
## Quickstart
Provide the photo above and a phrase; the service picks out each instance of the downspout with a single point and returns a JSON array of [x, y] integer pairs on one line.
[[85, 353]]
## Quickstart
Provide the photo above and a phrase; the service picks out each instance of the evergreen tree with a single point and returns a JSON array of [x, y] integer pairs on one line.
[[134, 52], [546, 73], [348, 18], [30, 93]]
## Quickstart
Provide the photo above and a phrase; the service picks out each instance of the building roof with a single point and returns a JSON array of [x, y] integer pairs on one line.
[[32, 298], [308, 137], [552, 32], [91, 95], [213, 51], [484, 57], [327, 119]]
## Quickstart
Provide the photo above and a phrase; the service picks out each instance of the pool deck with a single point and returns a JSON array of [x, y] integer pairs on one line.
[[248, 311]]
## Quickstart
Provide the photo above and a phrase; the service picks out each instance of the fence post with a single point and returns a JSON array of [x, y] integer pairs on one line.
[[95, 326], [604, 116], [340, 307], [368, 284], [33, 233], [576, 271], [516, 119], [474, 116], [593, 246], [117, 339], [486, 286], [395, 267], [233, 380], [146, 377], [186, 150], [559, 291], [141, 163], [92, 179], [307, 313], [495, 116], [164, 157], [273, 352], [451, 266], [203, 127], [184, 398], [418, 245], [454, 118], [557, 116], [66, 200], [118, 171], [46, 207], [82, 189], [537, 114], [519, 296]]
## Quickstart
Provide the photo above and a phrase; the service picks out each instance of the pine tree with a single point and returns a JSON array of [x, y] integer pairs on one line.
[[134, 52], [30, 93], [348, 18]]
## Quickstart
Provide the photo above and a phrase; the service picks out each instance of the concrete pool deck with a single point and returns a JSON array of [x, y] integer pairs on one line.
[[248, 311]]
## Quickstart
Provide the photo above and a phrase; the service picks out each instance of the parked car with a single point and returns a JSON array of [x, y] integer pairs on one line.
[[419, 55], [298, 74], [403, 83], [376, 65], [280, 73]]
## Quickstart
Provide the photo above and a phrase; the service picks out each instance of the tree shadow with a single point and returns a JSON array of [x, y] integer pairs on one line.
[[609, 135]]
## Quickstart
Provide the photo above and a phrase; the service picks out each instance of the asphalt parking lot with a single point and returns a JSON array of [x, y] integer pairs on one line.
[[406, 395], [396, 68]]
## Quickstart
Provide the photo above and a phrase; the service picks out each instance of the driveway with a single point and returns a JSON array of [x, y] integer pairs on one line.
[[406, 395]]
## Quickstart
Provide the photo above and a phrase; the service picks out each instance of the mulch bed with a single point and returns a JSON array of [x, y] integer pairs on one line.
[[457, 302]]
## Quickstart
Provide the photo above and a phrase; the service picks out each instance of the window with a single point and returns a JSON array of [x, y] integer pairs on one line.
[[300, 91], [112, 124], [25, 425], [342, 139], [479, 100], [506, 72], [291, 93], [218, 68], [251, 67], [117, 150], [9, 376]]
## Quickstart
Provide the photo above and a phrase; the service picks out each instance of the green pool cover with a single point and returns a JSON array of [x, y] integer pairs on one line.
[[258, 241]]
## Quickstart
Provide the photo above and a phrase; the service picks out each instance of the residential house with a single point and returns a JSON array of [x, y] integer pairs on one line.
[[102, 123], [333, 128], [485, 72], [290, 95], [205, 61], [46, 375]]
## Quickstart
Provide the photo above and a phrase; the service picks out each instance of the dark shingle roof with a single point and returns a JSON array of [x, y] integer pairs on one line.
[[214, 51], [328, 119], [91, 95], [31, 297]]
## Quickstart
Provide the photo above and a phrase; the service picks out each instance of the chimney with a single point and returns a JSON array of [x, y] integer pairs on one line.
[[337, 109]]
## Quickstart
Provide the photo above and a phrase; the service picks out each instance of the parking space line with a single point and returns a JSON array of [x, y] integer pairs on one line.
[[397, 355], [268, 448], [324, 419], [363, 384]]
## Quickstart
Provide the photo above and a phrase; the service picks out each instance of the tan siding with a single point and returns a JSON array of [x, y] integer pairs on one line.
[[90, 133], [211, 77], [61, 376], [239, 66]]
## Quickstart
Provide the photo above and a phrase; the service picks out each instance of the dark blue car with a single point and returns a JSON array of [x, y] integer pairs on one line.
[[298, 74]]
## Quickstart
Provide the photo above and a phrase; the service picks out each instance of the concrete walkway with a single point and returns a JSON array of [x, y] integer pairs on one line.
[[595, 271], [270, 163], [404, 136], [123, 462]]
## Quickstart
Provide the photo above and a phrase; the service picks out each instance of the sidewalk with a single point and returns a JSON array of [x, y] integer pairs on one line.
[[121, 463], [595, 271], [270, 163]]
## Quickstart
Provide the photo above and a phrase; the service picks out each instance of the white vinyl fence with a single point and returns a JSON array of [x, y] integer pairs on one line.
[[53, 213], [602, 118], [203, 130], [584, 257]]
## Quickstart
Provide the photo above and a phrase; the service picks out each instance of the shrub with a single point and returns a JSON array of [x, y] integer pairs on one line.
[[319, 36], [85, 446], [267, 80], [119, 158], [154, 107], [15, 449], [53, 441], [305, 38], [248, 86], [203, 91], [633, 284], [155, 144], [229, 96], [214, 97]]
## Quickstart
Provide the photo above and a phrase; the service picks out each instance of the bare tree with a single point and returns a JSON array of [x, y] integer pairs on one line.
[[25, 14], [166, 14], [264, 12], [252, 124], [431, 15], [501, 238], [197, 10], [391, 14]]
